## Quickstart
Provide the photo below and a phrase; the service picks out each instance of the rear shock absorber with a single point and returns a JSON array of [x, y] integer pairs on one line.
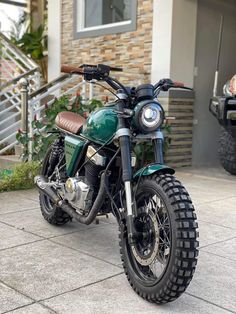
[[56, 152]]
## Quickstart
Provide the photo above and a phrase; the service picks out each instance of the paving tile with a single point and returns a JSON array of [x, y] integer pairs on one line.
[[34, 222], [114, 296], [10, 237], [32, 194], [215, 173], [215, 280], [10, 299], [225, 249], [44, 269], [207, 189], [16, 201], [32, 309], [210, 233], [100, 242], [221, 213]]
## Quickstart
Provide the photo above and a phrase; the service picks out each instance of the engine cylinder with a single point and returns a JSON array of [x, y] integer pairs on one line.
[[92, 172]]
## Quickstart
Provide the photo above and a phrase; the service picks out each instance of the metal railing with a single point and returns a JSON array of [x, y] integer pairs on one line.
[[14, 66], [33, 104]]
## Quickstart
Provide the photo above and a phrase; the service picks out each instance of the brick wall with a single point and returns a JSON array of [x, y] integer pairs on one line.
[[130, 50], [179, 153]]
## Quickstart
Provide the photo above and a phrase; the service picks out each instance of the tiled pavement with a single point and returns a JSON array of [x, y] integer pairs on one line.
[[77, 269]]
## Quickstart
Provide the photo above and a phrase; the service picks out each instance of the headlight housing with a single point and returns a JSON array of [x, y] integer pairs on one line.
[[148, 116]]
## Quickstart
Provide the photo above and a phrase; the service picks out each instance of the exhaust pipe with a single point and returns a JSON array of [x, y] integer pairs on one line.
[[42, 184]]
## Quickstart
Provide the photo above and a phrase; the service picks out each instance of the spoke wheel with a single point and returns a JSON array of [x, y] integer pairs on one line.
[[150, 253], [161, 262]]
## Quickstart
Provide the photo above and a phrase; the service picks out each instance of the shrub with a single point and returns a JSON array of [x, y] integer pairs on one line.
[[22, 177]]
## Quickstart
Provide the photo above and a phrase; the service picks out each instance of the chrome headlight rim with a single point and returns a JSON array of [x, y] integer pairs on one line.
[[149, 116]]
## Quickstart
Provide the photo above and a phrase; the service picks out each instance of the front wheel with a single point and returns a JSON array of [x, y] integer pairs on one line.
[[161, 262]]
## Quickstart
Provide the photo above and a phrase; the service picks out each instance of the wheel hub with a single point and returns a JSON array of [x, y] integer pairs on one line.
[[147, 243]]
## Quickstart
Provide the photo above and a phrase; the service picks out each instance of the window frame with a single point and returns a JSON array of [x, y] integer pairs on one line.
[[106, 29]]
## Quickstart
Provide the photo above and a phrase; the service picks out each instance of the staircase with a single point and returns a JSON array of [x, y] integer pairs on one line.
[[20, 89], [14, 66]]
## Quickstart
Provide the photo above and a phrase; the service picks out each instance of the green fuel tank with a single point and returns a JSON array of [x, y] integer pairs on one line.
[[101, 125]]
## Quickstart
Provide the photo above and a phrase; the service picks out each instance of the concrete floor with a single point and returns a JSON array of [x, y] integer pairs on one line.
[[77, 269]]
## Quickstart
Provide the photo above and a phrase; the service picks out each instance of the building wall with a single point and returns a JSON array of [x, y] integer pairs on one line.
[[174, 34], [130, 50]]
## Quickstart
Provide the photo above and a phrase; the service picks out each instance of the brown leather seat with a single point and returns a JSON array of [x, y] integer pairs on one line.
[[70, 121]]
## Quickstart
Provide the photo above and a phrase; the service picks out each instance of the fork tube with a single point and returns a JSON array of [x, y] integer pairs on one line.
[[158, 150], [123, 133]]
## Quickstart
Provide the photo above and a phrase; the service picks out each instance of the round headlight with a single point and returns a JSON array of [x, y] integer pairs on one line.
[[148, 116]]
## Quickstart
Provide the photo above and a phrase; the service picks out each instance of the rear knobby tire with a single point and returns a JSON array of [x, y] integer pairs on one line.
[[51, 213], [182, 259], [227, 151]]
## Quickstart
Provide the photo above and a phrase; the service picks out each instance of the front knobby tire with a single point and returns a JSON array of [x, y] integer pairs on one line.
[[51, 213], [227, 151], [162, 283]]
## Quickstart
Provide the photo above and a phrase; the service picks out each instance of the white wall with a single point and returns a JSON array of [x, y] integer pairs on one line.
[[54, 39], [184, 25], [161, 42], [174, 37]]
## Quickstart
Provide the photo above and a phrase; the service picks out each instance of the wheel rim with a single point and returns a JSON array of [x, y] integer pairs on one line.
[[149, 256]]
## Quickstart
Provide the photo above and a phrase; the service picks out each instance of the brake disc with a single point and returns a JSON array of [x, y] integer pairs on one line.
[[146, 260]]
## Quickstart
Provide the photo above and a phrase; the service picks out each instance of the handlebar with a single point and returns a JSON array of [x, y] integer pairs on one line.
[[98, 72], [101, 72], [166, 84]]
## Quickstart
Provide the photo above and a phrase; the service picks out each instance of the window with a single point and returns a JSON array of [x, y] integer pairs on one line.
[[101, 17]]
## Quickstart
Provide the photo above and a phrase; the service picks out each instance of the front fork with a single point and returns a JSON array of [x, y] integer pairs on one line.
[[123, 133]]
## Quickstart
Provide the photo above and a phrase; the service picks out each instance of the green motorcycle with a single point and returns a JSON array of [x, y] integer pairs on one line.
[[89, 171]]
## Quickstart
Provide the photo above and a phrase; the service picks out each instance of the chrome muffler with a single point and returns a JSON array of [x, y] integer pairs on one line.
[[47, 188]]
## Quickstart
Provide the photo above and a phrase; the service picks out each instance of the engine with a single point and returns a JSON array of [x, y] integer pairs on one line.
[[81, 191], [78, 194]]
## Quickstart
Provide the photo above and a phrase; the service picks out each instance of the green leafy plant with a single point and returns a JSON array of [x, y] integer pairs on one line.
[[144, 151], [43, 130], [5, 172], [34, 44], [21, 178]]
